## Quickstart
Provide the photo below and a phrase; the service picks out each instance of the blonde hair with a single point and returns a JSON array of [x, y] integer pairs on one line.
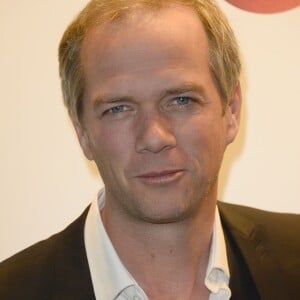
[[224, 57]]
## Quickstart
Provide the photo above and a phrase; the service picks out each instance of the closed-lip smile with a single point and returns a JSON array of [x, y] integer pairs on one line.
[[159, 177]]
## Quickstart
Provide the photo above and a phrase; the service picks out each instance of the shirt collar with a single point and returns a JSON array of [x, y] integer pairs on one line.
[[109, 276], [217, 272]]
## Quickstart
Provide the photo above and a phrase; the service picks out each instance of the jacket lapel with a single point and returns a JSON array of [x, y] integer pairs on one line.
[[72, 278], [249, 251]]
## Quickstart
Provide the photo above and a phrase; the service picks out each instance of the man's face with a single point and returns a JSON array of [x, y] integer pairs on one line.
[[153, 119]]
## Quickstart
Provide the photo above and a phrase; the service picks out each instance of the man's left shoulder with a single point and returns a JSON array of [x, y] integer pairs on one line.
[[268, 243], [276, 224], [279, 233], [264, 234]]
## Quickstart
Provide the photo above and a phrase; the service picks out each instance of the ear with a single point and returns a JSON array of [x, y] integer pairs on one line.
[[232, 113], [83, 139]]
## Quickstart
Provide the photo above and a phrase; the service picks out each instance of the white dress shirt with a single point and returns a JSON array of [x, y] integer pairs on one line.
[[112, 281]]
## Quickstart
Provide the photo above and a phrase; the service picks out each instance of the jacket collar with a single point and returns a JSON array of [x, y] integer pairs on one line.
[[248, 245], [71, 275]]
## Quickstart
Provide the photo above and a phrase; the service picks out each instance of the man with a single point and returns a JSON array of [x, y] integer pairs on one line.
[[152, 88]]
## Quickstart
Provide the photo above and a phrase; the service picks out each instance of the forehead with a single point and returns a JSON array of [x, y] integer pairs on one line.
[[143, 29], [145, 43]]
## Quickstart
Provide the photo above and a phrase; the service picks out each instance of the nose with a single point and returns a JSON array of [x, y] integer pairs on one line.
[[154, 134]]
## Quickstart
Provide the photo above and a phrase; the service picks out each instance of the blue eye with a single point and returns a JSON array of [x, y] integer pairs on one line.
[[117, 109], [181, 101]]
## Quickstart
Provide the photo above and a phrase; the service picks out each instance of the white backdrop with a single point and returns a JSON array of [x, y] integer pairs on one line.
[[45, 180]]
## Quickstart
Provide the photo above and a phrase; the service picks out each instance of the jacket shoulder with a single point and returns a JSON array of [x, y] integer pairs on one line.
[[36, 272], [246, 218], [267, 240]]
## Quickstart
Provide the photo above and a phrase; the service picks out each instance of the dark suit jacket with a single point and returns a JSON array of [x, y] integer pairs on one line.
[[263, 254]]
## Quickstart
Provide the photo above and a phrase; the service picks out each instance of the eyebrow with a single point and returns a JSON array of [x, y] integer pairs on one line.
[[183, 88], [100, 100], [187, 87]]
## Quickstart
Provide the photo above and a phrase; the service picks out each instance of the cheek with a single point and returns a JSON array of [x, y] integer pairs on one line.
[[111, 146], [195, 136], [203, 145]]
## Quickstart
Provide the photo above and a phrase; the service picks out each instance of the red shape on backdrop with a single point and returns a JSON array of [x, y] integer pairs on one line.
[[265, 6]]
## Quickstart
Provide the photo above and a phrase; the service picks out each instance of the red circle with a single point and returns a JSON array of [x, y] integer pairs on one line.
[[265, 6]]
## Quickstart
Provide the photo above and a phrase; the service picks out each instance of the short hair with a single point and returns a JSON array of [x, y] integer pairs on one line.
[[223, 50]]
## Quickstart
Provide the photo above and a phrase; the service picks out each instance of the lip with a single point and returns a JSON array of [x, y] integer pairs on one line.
[[160, 177]]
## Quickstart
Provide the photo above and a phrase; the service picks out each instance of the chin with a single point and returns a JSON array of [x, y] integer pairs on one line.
[[165, 212]]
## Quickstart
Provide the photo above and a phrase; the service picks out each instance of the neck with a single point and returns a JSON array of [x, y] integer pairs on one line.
[[168, 261]]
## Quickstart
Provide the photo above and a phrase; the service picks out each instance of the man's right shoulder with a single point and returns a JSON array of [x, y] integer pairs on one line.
[[36, 272]]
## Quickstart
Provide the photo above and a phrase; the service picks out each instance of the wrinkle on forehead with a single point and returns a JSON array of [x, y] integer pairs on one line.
[[143, 33], [146, 55]]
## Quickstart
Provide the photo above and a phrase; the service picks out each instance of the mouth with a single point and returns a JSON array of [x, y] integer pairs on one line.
[[161, 177]]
